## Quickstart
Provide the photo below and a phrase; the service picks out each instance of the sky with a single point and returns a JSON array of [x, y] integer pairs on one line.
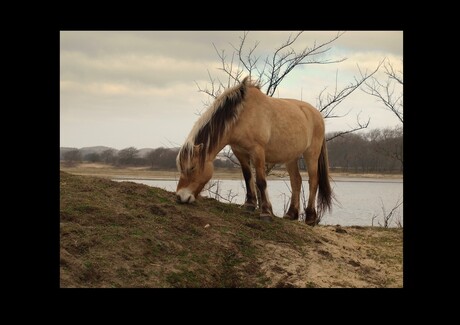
[[125, 88]]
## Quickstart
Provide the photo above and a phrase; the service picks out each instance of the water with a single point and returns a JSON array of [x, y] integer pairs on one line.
[[358, 199]]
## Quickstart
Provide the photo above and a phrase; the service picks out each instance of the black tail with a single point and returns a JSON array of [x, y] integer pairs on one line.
[[324, 187]]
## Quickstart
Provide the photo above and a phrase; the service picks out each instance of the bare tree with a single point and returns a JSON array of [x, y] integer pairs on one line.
[[163, 158], [154, 157], [328, 101], [127, 156], [270, 70], [388, 91], [108, 156]]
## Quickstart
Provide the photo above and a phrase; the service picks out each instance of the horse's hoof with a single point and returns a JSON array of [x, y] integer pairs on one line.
[[289, 217], [311, 218], [249, 207], [266, 217], [311, 222]]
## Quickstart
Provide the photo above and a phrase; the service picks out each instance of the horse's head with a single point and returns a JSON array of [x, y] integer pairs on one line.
[[195, 171]]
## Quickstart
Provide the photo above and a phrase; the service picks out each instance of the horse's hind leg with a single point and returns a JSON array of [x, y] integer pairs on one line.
[[311, 159], [296, 182], [258, 158], [251, 199]]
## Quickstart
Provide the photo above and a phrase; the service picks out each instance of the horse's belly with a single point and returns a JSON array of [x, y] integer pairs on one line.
[[283, 153]]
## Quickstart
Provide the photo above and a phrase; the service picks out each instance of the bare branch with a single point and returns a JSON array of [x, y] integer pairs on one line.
[[391, 73], [214, 191], [228, 153], [283, 63], [228, 69], [271, 70], [387, 216], [359, 126], [385, 92], [248, 62], [327, 103]]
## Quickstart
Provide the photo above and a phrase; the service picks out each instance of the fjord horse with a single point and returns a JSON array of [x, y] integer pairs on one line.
[[259, 129]]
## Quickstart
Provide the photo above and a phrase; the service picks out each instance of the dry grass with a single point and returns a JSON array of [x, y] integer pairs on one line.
[[108, 171]]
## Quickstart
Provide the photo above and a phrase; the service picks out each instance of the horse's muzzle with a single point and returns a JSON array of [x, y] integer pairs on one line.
[[185, 196]]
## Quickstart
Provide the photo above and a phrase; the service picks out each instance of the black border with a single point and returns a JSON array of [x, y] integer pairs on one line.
[[49, 228]]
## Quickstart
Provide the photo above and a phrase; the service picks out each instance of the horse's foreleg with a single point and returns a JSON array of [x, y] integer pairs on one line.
[[251, 199], [296, 182], [266, 211]]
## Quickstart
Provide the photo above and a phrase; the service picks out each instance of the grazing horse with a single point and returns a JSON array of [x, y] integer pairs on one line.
[[259, 129]]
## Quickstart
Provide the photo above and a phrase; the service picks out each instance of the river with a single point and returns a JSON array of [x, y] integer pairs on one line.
[[359, 201]]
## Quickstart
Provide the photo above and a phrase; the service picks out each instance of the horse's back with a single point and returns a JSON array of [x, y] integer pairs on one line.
[[283, 109], [285, 127], [315, 121], [289, 114]]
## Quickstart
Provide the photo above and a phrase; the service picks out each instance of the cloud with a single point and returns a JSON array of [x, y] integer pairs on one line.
[[156, 70], [138, 88], [390, 42], [164, 57]]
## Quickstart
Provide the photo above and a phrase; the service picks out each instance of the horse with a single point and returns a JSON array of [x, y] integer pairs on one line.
[[259, 129]]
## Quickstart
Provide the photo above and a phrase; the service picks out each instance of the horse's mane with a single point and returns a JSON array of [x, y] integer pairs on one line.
[[215, 122]]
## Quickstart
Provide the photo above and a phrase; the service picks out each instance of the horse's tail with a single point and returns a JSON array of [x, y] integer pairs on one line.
[[324, 187]]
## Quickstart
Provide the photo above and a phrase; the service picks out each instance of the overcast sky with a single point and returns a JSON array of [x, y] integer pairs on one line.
[[122, 89]]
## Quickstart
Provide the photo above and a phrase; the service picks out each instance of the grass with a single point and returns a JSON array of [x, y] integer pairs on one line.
[[123, 234]]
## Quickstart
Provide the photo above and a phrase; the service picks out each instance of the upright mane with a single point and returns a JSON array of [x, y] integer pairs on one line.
[[215, 122]]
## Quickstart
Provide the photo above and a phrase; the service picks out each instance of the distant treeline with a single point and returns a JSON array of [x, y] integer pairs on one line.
[[159, 158], [378, 150]]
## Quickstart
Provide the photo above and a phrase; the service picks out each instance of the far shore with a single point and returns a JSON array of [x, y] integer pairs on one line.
[[146, 173]]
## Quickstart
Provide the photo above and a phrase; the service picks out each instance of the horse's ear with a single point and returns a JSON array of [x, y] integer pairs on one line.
[[198, 147]]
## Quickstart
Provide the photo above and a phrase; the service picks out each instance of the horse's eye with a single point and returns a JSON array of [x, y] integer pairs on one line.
[[190, 170]]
